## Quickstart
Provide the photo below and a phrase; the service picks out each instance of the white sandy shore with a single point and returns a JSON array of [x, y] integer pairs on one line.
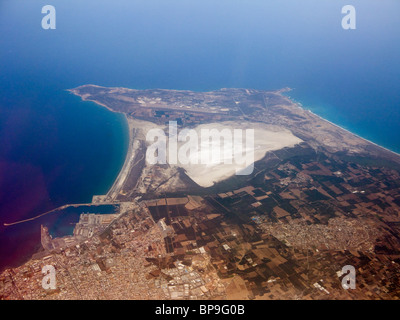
[[300, 105], [267, 138], [354, 134], [123, 174]]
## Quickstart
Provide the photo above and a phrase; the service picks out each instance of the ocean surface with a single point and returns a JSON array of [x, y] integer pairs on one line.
[[56, 149]]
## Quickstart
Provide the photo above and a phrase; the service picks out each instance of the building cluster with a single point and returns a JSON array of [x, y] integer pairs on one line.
[[287, 234]]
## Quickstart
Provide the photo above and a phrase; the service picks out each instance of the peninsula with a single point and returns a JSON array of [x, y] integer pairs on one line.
[[279, 122], [318, 199]]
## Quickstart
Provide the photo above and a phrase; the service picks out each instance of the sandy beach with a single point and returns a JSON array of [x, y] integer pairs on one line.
[[337, 126], [267, 137]]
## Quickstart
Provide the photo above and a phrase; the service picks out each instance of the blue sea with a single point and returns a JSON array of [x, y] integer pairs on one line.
[[56, 149]]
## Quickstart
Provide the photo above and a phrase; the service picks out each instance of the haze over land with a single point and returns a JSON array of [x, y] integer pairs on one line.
[[306, 210], [187, 232], [278, 123]]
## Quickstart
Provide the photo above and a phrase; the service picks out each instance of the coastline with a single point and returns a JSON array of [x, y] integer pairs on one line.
[[300, 105], [358, 136], [123, 172], [282, 92], [73, 91], [113, 192], [118, 183]]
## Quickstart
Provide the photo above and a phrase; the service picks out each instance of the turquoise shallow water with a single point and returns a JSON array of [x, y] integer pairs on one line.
[[56, 149]]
